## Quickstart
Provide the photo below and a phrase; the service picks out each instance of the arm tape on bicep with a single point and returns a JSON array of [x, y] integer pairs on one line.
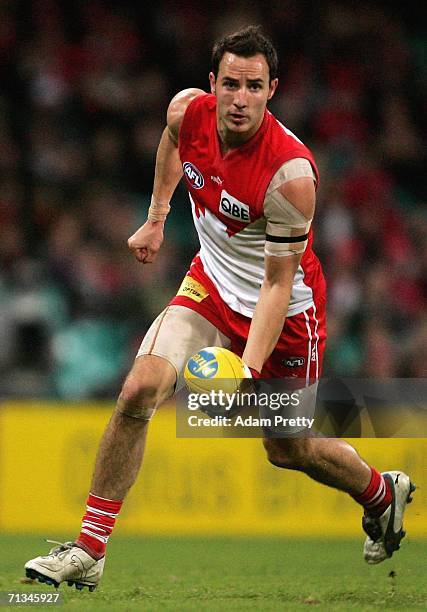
[[286, 228]]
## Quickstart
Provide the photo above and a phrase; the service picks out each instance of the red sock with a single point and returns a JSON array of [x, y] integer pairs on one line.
[[377, 496], [97, 525]]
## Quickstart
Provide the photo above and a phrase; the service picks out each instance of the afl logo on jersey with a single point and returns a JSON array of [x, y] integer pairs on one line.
[[194, 176]]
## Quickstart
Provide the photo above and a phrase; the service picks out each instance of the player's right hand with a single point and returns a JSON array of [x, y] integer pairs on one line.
[[146, 241]]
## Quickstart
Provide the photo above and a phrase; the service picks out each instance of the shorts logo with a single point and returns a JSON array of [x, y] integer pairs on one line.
[[194, 176], [232, 208], [192, 289], [294, 362]]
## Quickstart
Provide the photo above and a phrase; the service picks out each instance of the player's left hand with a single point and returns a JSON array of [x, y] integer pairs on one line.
[[249, 385]]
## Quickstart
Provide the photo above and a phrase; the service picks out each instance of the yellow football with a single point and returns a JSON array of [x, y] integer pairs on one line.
[[215, 368]]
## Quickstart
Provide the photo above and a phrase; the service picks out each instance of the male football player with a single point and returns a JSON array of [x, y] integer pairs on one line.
[[255, 287]]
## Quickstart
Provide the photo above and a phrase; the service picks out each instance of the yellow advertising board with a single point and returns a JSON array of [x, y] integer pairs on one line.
[[186, 486]]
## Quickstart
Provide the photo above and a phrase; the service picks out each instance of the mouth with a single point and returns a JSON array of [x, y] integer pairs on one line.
[[237, 118]]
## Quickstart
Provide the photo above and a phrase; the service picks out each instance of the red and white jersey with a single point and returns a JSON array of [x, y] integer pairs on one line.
[[228, 194]]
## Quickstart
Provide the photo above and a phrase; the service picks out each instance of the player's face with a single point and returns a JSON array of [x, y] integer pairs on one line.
[[242, 89]]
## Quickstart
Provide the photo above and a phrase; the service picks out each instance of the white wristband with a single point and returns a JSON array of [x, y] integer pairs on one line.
[[158, 211]]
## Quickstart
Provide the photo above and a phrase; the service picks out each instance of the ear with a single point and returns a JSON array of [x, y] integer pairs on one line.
[[212, 82], [272, 89]]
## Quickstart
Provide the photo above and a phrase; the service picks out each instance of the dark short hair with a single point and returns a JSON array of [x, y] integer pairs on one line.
[[246, 42]]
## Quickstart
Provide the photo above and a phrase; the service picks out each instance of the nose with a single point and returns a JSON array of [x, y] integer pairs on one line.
[[240, 99]]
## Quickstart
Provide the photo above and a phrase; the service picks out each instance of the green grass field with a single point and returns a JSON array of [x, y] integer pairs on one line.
[[234, 574]]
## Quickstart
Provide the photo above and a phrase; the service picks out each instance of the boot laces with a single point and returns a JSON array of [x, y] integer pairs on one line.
[[60, 549]]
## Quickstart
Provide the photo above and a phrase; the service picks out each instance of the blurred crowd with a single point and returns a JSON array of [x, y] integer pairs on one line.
[[85, 86]]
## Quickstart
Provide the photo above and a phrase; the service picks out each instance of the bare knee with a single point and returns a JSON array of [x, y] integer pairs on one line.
[[146, 387], [288, 453], [138, 391]]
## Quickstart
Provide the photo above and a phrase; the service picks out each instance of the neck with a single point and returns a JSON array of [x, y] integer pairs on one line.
[[233, 140]]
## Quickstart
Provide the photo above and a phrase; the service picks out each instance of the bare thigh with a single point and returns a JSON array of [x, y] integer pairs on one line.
[[178, 333]]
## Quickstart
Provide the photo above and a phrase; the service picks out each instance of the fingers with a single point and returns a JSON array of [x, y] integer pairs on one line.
[[146, 242], [150, 257], [247, 386], [144, 255], [140, 254]]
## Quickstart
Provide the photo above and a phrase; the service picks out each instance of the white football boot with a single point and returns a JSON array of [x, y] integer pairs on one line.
[[66, 563], [386, 532]]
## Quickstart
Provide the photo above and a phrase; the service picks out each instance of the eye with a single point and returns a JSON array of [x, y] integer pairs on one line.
[[255, 86]]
